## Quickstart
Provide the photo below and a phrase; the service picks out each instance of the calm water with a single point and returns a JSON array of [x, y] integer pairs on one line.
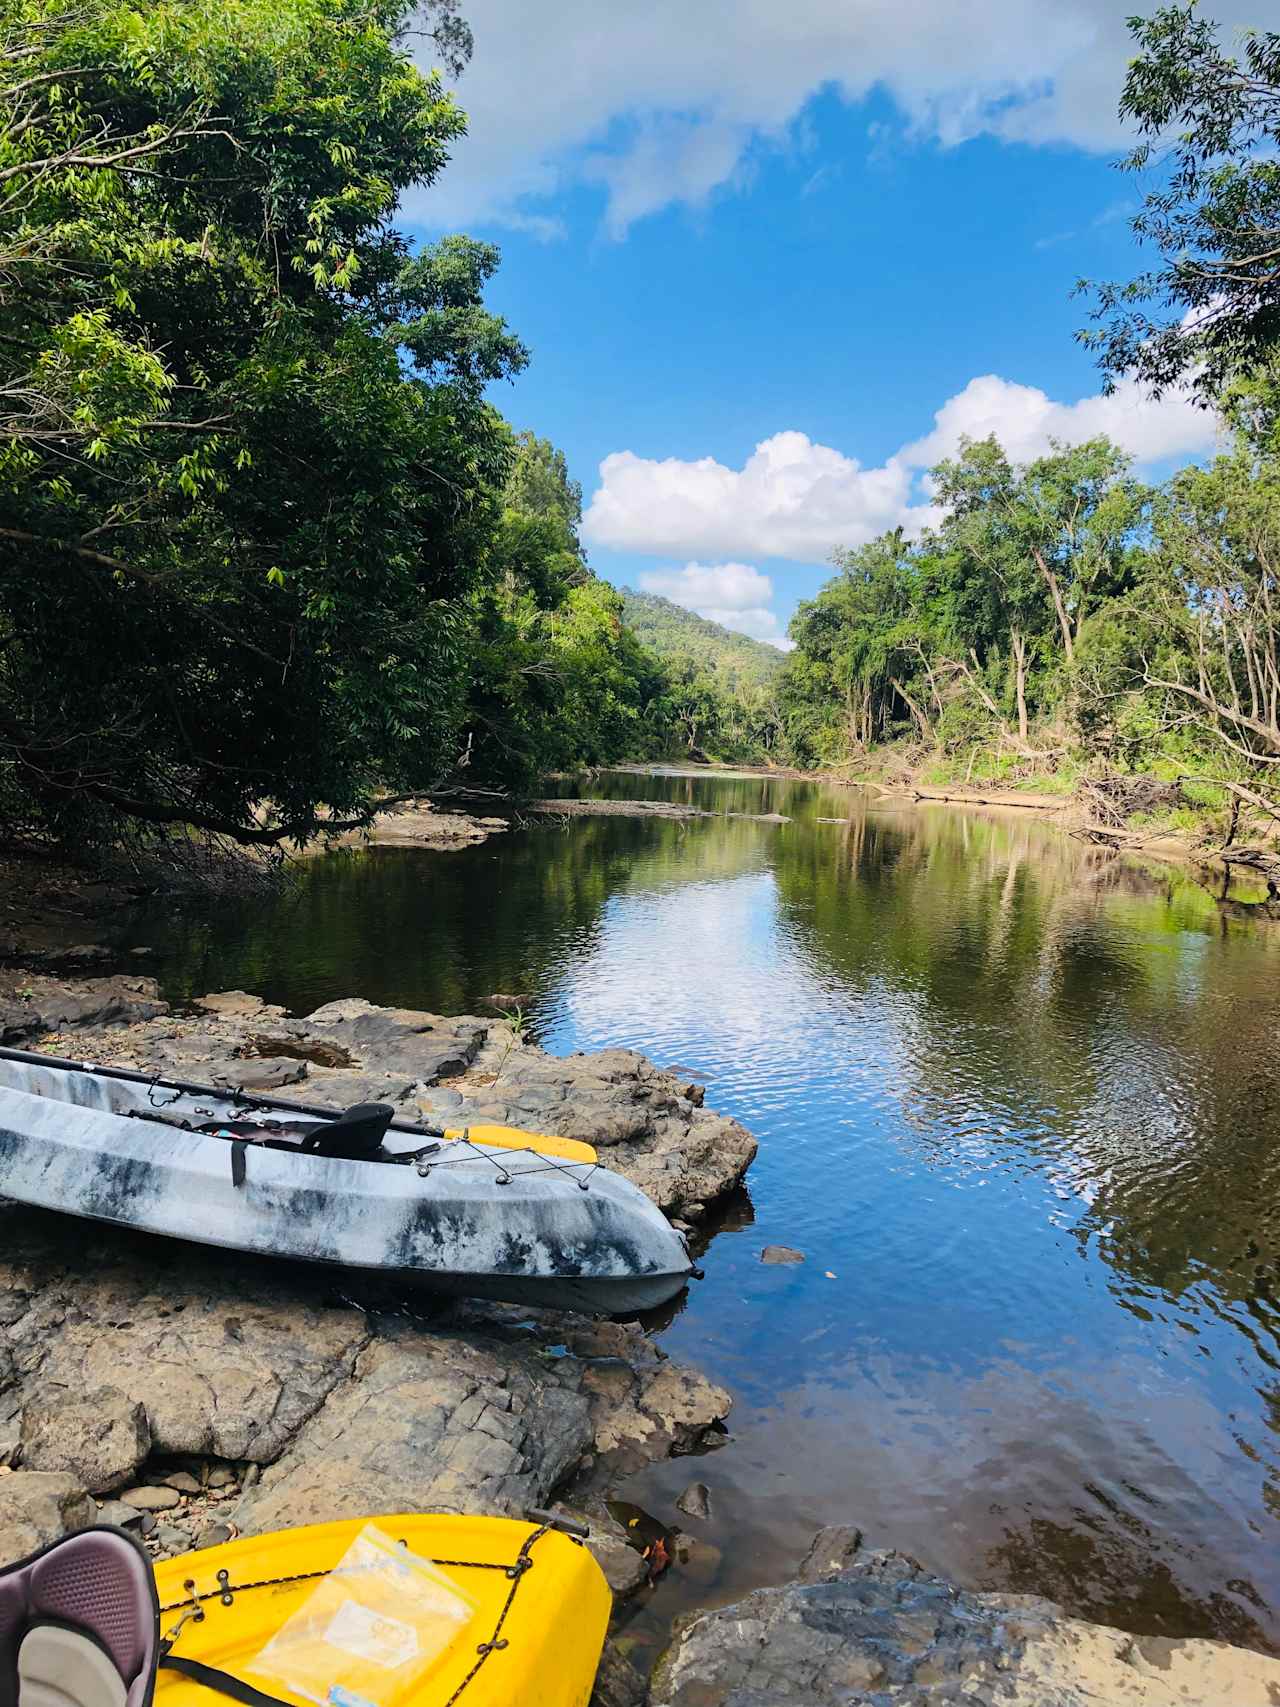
[[1018, 1105]]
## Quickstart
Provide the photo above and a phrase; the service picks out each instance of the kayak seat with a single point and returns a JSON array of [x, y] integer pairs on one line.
[[79, 1624], [356, 1135], [62, 1668]]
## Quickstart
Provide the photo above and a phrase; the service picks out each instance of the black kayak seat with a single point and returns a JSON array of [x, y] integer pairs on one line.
[[356, 1135]]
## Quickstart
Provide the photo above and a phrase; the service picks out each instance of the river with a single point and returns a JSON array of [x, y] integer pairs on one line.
[[1018, 1104]]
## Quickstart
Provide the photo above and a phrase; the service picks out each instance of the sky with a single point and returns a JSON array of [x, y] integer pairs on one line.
[[773, 260]]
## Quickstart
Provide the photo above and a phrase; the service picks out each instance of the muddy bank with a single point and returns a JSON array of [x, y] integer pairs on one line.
[[858, 1629]]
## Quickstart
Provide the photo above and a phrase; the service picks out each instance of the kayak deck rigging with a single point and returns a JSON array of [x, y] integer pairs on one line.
[[486, 1211]]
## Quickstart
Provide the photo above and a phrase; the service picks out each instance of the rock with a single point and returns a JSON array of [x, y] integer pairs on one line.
[[40, 1506], [780, 1254], [429, 1425], [117, 1512], [643, 1414], [695, 1501], [618, 1683], [216, 1535], [833, 1550], [270, 1073], [32, 1004], [866, 1629], [238, 1003], [182, 1481], [221, 1476], [698, 1560], [624, 1567], [226, 1358], [10, 1447], [171, 1539], [99, 1437], [151, 1499], [148, 1524]]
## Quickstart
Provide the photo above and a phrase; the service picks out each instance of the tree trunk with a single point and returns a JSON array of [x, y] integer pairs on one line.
[[1020, 680], [1058, 605], [926, 728]]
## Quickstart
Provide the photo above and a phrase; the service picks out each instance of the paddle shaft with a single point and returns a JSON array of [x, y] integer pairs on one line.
[[259, 1103]]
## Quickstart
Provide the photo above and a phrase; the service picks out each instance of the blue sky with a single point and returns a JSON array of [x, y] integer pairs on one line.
[[845, 234]]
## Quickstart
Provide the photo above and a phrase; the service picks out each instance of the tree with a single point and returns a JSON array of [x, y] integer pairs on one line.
[[1210, 308], [1215, 651], [1084, 510], [992, 588], [248, 475]]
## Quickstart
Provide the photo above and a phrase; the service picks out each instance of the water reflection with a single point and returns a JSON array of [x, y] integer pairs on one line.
[[1018, 1103]]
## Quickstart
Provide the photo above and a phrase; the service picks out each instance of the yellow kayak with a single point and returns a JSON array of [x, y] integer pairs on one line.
[[531, 1606]]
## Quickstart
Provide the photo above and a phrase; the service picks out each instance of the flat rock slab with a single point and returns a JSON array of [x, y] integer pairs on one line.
[[33, 1005], [864, 1630], [372, 1400]]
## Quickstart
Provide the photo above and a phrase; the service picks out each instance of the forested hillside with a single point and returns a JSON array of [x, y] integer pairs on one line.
[[671, 631], [719, 695]]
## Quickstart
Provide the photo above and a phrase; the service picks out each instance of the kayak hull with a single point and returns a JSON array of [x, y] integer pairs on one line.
[[553, 1630], [502, 1224]]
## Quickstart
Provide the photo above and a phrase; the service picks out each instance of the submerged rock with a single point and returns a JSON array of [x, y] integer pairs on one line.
[[861, 1630], [695, 1501], [780, 1254]]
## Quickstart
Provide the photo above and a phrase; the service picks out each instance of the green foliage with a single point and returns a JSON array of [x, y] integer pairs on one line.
[[960, 638], [1060, 615], [558, 681], [1209, 121], [248, 476]]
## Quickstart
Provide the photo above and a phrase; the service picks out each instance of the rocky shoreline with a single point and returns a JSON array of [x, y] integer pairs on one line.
[[193, 1395]]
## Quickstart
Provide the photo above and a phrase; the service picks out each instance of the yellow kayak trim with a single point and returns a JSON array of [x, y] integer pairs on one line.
[[556, 1610], [512, 1138]]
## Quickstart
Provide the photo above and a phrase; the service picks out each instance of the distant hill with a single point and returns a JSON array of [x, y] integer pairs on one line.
[[673, 632]]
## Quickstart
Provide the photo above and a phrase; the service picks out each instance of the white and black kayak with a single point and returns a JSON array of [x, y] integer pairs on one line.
[[488, 1212]]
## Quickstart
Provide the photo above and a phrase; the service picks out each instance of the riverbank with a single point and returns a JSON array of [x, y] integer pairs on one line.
[[193, 1398], [1222, 828], [833, 1418]]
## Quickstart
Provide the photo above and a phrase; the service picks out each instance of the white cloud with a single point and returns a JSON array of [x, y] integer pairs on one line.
[[735, 595], [796, 499], [792, 498], [1025, 420], [660, 103]]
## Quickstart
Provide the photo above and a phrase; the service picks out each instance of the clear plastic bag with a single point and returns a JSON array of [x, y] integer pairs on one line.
[[368, 1631]]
